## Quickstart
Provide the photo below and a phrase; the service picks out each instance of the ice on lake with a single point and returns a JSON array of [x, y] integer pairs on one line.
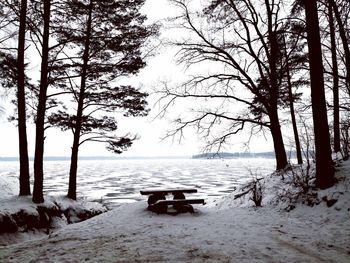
[[120, 181]]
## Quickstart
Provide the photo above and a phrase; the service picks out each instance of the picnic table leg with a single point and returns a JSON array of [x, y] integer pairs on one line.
[[152, 199], [178, 195], [182, 208]]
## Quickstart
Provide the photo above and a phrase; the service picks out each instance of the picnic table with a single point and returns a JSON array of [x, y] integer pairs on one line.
[[159, 204]]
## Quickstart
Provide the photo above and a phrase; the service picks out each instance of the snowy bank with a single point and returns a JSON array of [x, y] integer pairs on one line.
[[18, 214], [225, 230]]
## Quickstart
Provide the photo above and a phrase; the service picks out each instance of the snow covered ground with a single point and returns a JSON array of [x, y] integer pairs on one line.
[[224, 230]]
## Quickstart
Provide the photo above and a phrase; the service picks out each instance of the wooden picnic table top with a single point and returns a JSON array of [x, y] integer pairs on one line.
[[166, 191]]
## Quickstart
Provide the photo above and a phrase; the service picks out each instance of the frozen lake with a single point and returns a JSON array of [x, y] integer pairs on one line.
[[120, 181]]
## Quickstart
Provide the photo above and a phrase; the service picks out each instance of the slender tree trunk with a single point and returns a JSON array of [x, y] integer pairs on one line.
[[344, 38], [72, 188], [294, 122], [324, 165], [292, 111], [24, 184], [40, 118], [280, 152], [336, 128]]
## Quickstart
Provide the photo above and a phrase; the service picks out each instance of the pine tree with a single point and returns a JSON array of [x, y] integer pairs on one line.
[[108, 36], [12, 77]]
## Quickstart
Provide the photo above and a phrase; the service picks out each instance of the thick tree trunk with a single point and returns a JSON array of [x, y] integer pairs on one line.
[[40, 118], [280, 152], [24, 184], [72, 188], [324, 165], [336, 128]]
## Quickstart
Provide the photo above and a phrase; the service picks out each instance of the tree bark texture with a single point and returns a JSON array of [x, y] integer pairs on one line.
[[324, 165], [280, 152]]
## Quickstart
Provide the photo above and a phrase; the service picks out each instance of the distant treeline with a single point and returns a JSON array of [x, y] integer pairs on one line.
[[227, 155], [233, 155]]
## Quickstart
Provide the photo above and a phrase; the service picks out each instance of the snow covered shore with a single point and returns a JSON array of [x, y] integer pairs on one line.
[[224, 230]]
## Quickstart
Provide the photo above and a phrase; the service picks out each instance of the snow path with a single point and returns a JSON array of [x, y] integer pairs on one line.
[[130, 233]]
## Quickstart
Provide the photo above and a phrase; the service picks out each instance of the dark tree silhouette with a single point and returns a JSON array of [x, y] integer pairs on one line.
[[109, 36], [8, 71], [272, 15], [13, 23], [293, 59], [324, 164], [41, 110], [239, 39], [336, 127], [24, 183]]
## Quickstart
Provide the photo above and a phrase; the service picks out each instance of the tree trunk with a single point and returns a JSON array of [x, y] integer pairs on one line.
[[40, 118], [24, 184], [294, 123], [324, 166], [336, 128], [72, 188], [292, 111], [344, 38], [280, 153]]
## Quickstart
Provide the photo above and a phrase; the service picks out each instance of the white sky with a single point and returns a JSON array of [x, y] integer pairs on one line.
[[159, 67]]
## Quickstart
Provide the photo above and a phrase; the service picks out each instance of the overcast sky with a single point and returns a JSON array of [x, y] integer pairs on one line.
[[160, 67]]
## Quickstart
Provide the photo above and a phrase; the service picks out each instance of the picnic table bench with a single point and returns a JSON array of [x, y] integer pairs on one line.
[[159, 204]]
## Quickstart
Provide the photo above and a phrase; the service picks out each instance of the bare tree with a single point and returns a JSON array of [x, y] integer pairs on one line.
[[239, 42]]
